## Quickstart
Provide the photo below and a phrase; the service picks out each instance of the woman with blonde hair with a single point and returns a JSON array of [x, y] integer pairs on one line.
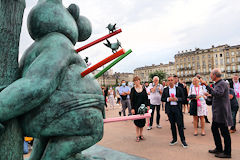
[[138, 96], [198, 106]]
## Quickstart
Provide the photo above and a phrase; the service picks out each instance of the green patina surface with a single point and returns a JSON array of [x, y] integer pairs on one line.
[[98, 152], [53, 103]]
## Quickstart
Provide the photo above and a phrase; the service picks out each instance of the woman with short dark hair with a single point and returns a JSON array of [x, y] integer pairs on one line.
[[138, 96]]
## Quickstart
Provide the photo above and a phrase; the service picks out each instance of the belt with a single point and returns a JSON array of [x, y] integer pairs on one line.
[[173, 105]]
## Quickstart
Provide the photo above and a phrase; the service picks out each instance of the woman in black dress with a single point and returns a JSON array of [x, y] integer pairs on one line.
[[138, 96], [185, 101]]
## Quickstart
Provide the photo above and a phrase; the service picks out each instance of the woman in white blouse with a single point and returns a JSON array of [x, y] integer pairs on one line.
[[198, 90]]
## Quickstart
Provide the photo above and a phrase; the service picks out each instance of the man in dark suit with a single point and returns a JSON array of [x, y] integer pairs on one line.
[[176, 81], [180, 86], [173, 97]]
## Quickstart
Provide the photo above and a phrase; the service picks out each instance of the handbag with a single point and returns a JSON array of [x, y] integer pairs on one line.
[[193, 107], [209, 100], [199, 103], [192, 96]]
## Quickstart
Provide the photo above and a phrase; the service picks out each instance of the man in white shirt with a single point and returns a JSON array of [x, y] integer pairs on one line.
[[173, 97], [155, 100]]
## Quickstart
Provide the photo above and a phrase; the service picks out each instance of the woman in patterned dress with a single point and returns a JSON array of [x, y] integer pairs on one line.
[[201, 106]]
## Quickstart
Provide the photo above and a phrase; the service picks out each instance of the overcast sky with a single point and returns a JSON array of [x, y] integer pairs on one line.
[[154, 29]]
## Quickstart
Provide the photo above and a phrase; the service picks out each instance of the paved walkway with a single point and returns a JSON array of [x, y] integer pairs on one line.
[[121, 136]]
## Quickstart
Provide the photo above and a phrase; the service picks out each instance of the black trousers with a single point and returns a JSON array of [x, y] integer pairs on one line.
[[152, 114], [217, 139], [175, 117], [182, 116]]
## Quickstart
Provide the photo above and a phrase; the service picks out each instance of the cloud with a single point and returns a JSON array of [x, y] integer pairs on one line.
[[156, 30]]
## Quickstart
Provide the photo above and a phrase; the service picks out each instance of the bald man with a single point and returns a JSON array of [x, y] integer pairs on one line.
[[222, 116]]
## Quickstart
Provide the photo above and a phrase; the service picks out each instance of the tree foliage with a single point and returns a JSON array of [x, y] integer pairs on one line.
[[160, 74]]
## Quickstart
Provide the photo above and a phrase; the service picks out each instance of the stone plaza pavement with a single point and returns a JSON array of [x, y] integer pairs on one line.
[[120, 136]]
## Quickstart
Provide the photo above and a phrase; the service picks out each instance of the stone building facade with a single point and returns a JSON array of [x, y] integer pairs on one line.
[[111, 79], [144, 72], [202, 61]]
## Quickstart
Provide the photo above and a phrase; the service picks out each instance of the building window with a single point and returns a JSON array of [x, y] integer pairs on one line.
[[177, 66], [233, 59], [222, 69], [193, 58], [238, 59], [178, 74], [190, 72], [238, 67], [233, 53], [189, 65], [227, 54], [188, 58], [198, 70], [184, 59], [228, 68], [233, 68], [216, 61], [209, 56], [193, 72], [221, 55], [221, 61], [182, 73], [204, 70], [216, 55], [197, 57], [228, 61], [203, 57]]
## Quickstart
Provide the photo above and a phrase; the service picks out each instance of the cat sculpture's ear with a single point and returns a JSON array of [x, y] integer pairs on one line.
[[74, 10]]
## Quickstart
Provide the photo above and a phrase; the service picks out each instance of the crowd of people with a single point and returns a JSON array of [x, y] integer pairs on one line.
[[177, 98]]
